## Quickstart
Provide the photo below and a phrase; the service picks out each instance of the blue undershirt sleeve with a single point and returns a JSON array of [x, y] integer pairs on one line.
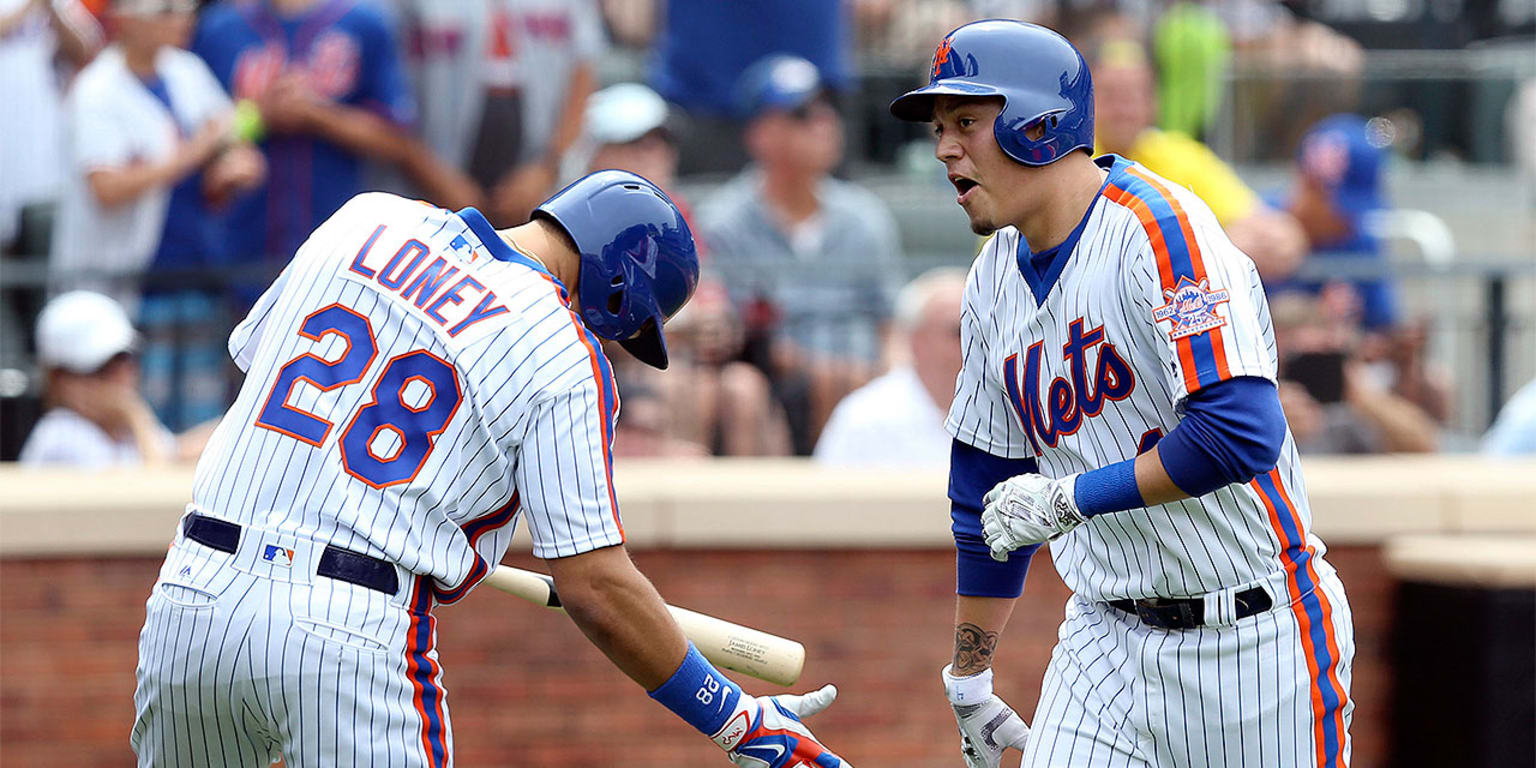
[[973, 472], [1231, 431]]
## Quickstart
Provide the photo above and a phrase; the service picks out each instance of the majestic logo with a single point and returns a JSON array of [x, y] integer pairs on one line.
[[940, 56], [278, 555], [1067, 401], [1192, 308]]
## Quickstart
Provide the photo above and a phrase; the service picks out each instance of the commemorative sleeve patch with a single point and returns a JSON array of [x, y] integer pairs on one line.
[[1191, 308]]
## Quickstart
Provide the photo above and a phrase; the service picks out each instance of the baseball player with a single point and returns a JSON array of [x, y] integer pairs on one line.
[[416, 382], [1117, 398]]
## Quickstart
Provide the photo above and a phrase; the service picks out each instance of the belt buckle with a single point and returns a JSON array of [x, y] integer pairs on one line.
[[1148, 613], [1168, 614]]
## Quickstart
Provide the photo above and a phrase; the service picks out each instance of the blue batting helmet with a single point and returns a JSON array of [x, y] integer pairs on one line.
[[1041, 78], [638, 263]]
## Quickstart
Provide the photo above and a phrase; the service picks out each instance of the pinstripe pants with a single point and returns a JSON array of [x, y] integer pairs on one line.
[[1268, 691], [245, 658]]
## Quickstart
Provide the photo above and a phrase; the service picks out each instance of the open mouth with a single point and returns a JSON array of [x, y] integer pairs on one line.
[[963, 186]]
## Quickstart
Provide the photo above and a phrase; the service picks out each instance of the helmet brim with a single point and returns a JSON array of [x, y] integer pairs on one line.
[[648, 346], [917, 106]]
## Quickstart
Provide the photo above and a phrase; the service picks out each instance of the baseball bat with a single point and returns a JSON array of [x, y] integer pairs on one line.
[[749, 651]]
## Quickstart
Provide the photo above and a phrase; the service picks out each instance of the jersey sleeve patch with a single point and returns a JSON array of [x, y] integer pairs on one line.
[[1191, 308]]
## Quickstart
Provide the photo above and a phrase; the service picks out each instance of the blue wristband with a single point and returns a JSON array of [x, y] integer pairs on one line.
[[1108, 489], [699, 694]]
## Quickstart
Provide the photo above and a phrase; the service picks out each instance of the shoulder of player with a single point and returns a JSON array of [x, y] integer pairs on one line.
[[990, 266], [551, 355], [383, 206]]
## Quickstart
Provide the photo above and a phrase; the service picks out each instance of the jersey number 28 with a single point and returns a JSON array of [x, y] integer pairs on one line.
[[414, 397]]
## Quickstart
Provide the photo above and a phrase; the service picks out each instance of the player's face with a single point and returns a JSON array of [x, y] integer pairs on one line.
[[989, 185]]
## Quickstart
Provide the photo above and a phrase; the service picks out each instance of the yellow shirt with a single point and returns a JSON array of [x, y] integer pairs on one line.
[[1183, 160]]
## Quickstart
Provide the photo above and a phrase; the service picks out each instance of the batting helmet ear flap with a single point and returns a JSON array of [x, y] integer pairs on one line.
[[648, 345]]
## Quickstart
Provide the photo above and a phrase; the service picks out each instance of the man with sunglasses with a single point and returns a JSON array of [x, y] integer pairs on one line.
[[816, 261]]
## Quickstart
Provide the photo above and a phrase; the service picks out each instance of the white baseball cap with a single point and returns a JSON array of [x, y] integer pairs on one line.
[[81, 330], [622, 113]]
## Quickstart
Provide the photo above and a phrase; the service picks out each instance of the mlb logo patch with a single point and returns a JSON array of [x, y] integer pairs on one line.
[[278, 555], [1192, 308]]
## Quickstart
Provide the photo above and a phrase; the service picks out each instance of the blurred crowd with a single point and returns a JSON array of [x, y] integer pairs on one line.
[[163, 158]]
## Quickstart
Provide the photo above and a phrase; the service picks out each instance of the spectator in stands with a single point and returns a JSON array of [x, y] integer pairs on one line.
[[814, 262], [707, 401], [34, 36], [502, 87], [1336, 188], [898, 419], [1336, 191], [1334, 401], [149, 128], [705, 46], [1514, 433], [630, 127], [95, 416], [1124, 107], [332, 93]]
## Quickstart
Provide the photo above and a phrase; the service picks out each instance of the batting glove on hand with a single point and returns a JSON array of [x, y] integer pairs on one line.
[[1028, 509], [987, 727], [766, 732]]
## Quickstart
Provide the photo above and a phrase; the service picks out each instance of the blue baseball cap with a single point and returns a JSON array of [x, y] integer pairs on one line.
[[780, 81], [1345, 155]]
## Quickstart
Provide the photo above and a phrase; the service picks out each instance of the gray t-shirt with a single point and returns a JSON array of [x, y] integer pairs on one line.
[[833, 281]]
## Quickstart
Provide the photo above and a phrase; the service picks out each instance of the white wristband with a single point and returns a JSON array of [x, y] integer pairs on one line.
[[973, 689]]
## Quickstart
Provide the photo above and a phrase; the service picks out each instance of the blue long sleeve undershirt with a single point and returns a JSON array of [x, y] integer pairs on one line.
[[973, 472], [1232, 431]]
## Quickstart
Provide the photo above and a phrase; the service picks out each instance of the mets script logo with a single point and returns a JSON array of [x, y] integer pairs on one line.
[[1070, 399], [1192, 308], [940, 56]]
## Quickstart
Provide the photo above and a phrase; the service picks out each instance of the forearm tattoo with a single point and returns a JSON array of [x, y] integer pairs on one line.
[[973, 649]]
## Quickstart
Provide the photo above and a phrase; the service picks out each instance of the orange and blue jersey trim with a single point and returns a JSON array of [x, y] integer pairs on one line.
[[608, 402], [423, 672], [1202, 356], [474, 529], [602, 373], [1314, 616]]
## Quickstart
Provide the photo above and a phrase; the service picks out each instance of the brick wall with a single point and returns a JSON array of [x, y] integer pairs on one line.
[[525, 689]]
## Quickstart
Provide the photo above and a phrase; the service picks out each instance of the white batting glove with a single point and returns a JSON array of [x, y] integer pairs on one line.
[[766, 732], [988, 726], [1028, 509]]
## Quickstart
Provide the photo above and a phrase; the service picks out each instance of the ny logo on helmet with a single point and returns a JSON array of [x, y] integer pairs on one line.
[[940, 56]]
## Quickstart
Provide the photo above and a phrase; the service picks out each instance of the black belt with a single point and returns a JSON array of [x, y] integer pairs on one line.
[[335, 562], [1189, 612]]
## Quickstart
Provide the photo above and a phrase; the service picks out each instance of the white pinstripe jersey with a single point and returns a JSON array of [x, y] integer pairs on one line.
[[1152, 304], [413, 386]]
